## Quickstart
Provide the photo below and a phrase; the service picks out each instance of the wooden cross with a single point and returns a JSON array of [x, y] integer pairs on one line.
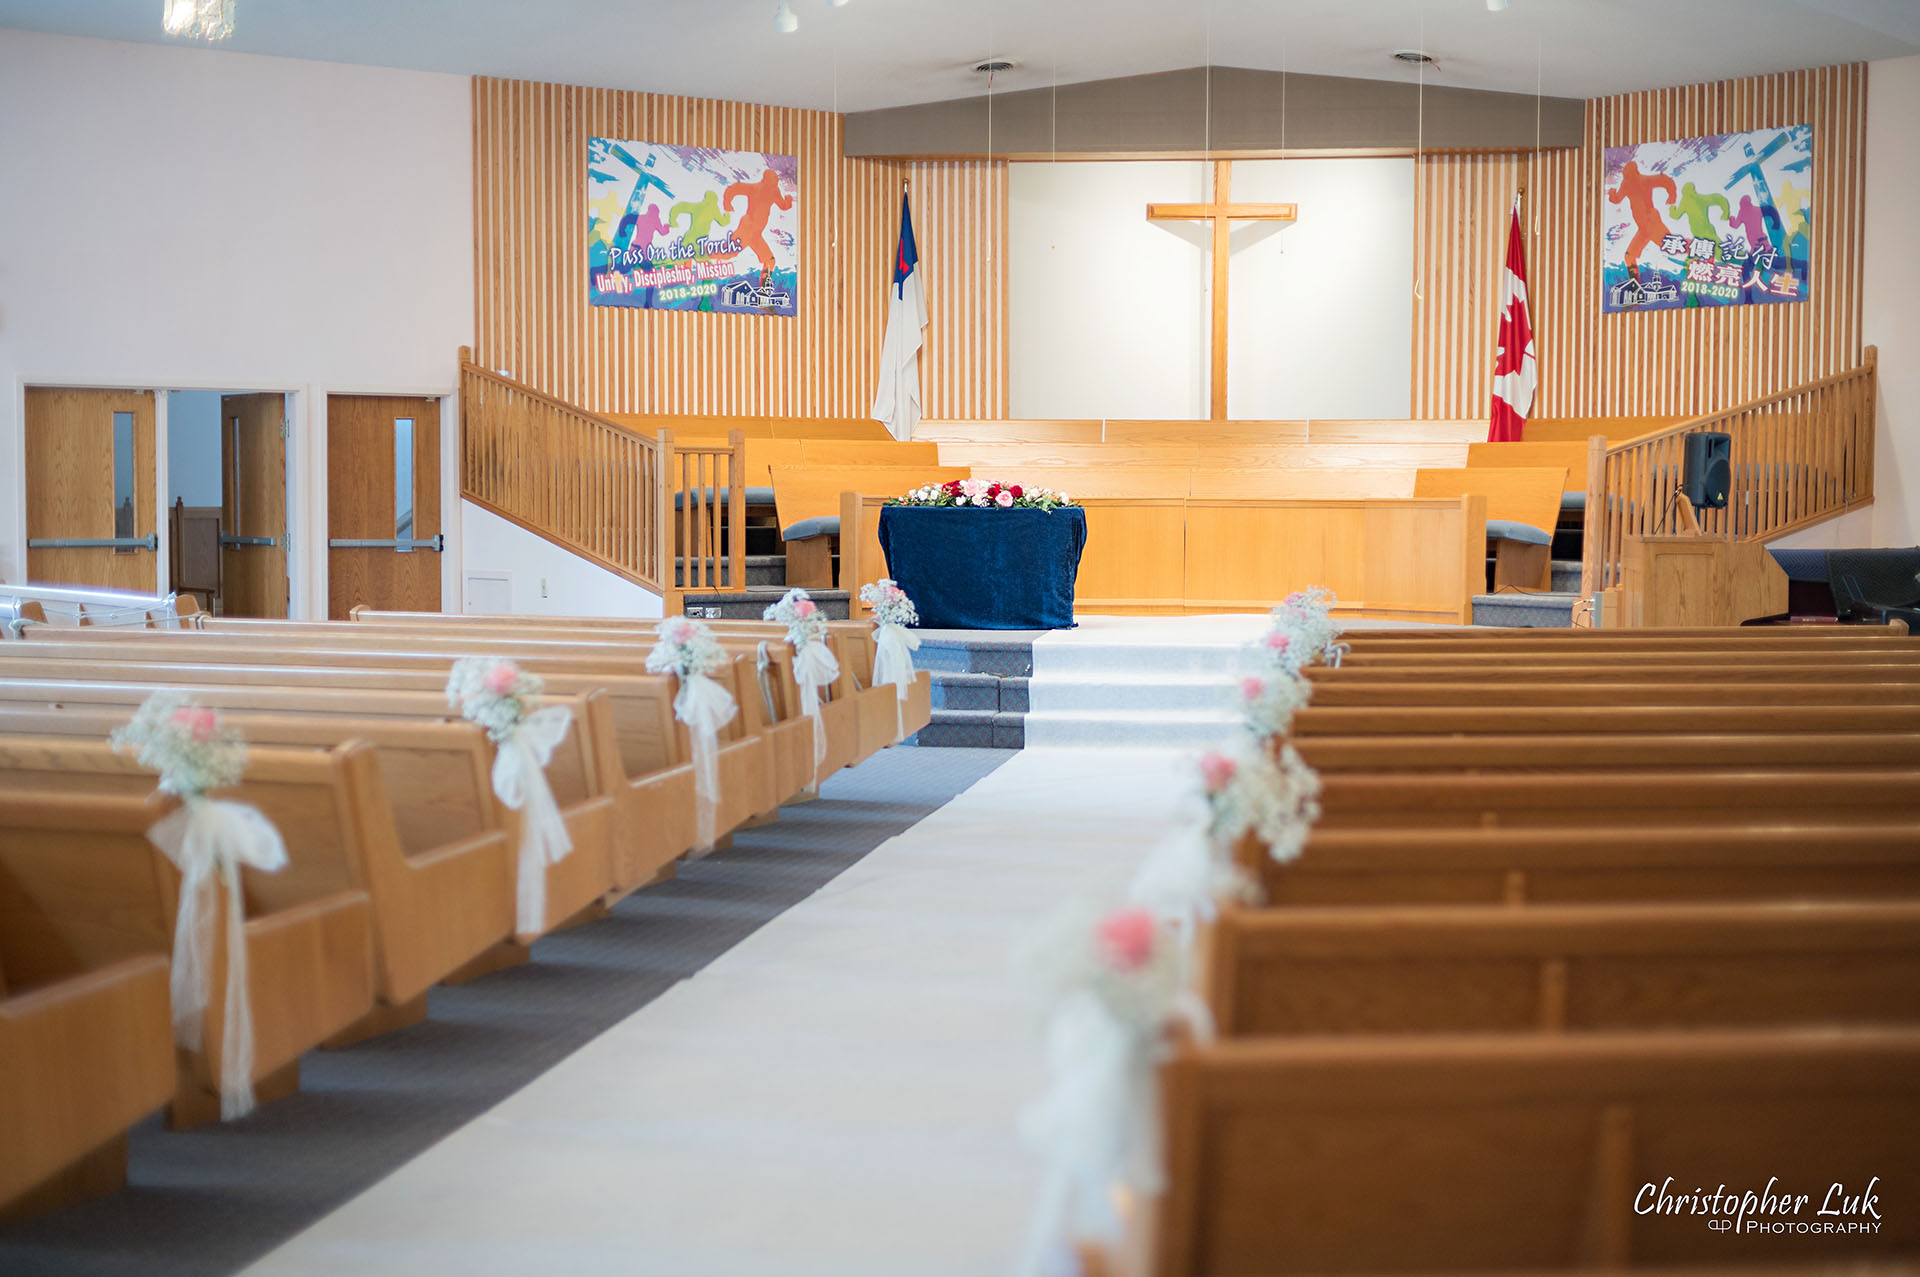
[[1222, 213]]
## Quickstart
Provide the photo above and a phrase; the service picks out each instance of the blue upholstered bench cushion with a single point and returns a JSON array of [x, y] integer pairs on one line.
[[1513, 530], [824, 525], [755, 496], [1573, 501]]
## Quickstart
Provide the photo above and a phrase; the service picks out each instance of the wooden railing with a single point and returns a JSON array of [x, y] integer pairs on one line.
[[1799, 457], [601, 490]]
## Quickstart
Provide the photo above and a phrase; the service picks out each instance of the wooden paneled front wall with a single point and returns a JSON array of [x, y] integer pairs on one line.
[[1409, 560], [532, 319], [1665, 363]]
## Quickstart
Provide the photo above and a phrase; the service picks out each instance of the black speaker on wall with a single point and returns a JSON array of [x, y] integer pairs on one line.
[[1707, 471]]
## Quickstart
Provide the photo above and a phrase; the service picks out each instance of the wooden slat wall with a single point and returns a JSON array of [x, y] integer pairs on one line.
[[1669, 362], [960, 212], [532, 317]]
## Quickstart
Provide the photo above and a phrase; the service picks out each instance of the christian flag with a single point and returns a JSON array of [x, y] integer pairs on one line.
[[1514, 372], [896, 404]]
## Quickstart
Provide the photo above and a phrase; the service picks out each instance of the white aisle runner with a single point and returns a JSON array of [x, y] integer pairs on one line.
[[835, 1097]]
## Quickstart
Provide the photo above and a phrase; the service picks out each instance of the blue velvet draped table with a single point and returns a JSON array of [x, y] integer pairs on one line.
[[975, 569]]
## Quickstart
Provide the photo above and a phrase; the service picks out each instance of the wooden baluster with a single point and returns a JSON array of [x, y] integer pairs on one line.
[[737, 508], [1593, 520]]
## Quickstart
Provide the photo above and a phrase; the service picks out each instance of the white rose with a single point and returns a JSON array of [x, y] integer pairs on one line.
[[980, 500]]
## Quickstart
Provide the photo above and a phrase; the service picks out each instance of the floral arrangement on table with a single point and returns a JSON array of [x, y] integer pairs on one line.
[[1304, 632], [208, 840], [688, 650], [1121, 985], [985, 494], [814, 664], [505, 699]]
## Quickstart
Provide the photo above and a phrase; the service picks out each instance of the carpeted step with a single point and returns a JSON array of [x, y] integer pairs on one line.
[[1566, 576], [1525, 611], [972, 729], [1003, 653], [764, 571], [750, 605], [1189, 729]]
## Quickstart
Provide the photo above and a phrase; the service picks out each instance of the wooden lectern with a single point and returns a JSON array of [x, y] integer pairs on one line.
[[1696, 580]]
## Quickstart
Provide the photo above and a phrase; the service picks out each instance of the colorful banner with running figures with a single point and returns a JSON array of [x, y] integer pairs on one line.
[[1708, 221], [692, 228]]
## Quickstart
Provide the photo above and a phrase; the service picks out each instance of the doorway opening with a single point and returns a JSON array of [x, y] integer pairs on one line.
[[228, 500]]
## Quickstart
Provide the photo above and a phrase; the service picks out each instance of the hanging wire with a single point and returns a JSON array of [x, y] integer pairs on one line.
[[1419, 142]]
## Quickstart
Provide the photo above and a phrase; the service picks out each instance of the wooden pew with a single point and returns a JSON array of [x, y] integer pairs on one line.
[[1415, 692], [1458, 722], [86, 1047], [881, 721], [428, 843], [1523, 506], [1683, 668], [808, 498], [1528, 1152], [1411, 639], [1622, 751], [579, 779], [552, 650], [66, 852], [1494, 968], [1740, 856], [1554, 454], [1619, 798]]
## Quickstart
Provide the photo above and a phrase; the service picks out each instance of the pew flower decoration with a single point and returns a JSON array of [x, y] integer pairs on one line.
[[504, 699], [1304, 632], [985, 494], [1269, 701], [208, 840], [1119, 983], [1253, 789], [814, 665], [688, 650], [894, 644]]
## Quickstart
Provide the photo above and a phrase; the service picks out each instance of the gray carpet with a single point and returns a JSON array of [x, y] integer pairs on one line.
[[213, 1200]]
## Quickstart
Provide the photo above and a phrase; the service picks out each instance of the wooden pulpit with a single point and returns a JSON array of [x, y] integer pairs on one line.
[[1695, 580]]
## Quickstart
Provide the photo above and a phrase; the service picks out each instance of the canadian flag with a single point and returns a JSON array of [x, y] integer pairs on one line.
[[1514, 372]]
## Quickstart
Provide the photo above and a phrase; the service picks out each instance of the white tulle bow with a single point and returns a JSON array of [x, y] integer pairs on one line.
[[1098, 1124], [705, 707], [520, 782], [208, 839], [815, 667], [894, 646]]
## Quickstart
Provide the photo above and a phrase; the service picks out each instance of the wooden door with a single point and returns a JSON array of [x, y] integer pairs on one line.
[[383, 537], [253, 505], [91, 518]]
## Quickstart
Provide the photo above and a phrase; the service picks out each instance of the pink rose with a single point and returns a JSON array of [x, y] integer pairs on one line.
[[1295, 599], [1127, 938], [500, 679], [1217, 771], [804, 608], [1253, 687], [1004, 500], [677, 630], [195, 722], [1278, 641]]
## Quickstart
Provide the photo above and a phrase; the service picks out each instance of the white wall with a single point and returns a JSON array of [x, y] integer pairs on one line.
[[193, 217], [193, 447], [1320, 312], [1890, 306], [545, 579], [1107, 311], [1110, 312]]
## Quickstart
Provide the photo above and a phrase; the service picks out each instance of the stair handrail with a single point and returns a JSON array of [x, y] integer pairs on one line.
[[1800, 456], [643, 507]]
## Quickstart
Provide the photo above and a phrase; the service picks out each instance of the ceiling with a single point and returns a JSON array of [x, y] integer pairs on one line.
[[880, 53]]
